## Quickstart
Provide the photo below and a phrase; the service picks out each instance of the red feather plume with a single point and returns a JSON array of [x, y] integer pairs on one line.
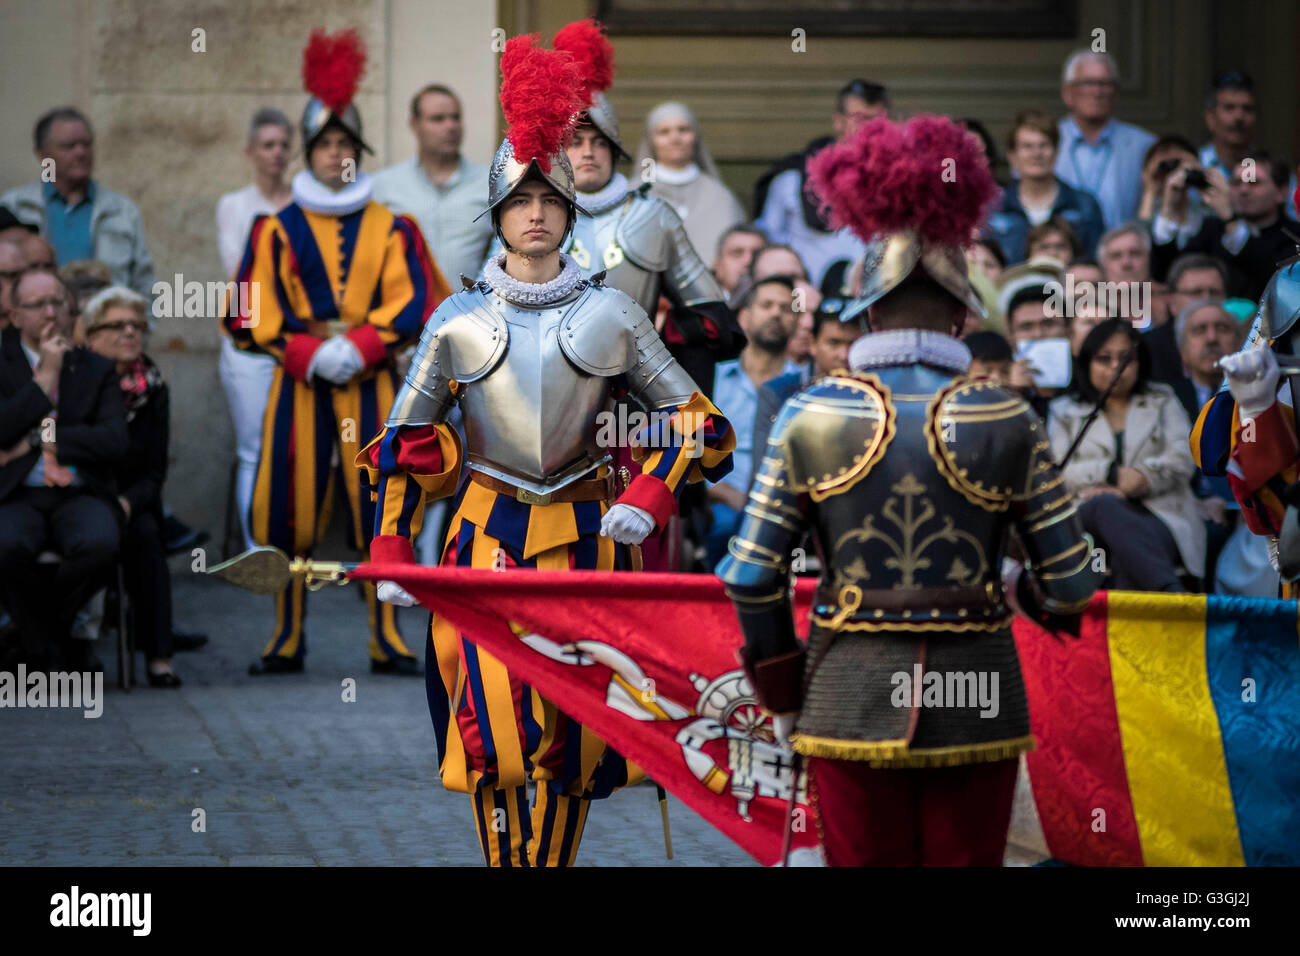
[[332, 66], [541, 96], [927, 174], [587, 42]]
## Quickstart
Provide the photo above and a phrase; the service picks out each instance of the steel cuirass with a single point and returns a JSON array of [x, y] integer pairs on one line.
[[639, 244], [530, 381]]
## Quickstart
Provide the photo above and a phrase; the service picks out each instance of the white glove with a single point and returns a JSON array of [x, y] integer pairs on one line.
[[1252, 379], [783, 726], [390, 592], [626, 524], [337, 360]]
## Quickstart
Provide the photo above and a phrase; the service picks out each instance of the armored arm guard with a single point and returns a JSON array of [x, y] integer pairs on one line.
[[1060, 555], [756, 570], [416, 457], [652, 235]]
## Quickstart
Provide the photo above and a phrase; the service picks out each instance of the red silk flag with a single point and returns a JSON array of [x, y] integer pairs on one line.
[[648, 662]]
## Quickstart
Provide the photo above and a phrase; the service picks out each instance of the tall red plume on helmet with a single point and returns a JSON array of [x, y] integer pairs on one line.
[[586, 40], [541, 96], [332, 66], [928, 174]]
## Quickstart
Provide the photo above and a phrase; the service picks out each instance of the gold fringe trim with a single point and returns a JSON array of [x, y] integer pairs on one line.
[[894, 754]]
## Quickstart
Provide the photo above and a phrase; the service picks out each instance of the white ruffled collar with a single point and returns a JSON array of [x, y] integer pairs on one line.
[[677, 177], [532, 294], [605, 199], [314, 196], [908, 347]]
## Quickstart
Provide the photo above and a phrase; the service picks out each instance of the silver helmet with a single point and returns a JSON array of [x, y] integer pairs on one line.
[[316, 116], [507, 172], [601, 115]]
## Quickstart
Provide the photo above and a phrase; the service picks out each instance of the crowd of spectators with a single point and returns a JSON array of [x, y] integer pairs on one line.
[[1135, 258]]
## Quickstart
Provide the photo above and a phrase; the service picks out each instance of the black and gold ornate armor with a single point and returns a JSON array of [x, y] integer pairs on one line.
[[910, 476]]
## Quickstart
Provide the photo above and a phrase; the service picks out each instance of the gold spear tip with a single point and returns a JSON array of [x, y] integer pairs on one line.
[[262, 570]]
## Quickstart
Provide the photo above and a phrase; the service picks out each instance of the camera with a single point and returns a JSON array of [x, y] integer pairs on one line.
[[1195, 177]]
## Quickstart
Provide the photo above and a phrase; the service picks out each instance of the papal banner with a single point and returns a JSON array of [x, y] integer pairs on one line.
[[1167, 734]]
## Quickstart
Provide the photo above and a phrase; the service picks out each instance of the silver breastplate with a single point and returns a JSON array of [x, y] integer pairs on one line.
[[532, 419], [596, 246]]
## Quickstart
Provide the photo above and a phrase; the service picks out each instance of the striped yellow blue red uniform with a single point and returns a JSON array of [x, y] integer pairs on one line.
[[369, 274], [495, 734]]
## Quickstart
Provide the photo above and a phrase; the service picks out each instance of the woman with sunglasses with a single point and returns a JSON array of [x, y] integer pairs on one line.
[[1132, 471]]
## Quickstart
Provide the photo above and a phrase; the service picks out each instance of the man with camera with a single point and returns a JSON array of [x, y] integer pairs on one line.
[[1248, 231]]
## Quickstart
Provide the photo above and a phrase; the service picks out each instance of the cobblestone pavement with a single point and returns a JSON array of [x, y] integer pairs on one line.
[[286, 772]]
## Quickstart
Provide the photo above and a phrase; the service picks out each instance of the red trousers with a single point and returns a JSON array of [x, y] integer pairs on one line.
[[945, 816]]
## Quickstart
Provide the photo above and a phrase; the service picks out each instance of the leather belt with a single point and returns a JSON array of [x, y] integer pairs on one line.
[[327, 328], [853, 602], [590, 489]]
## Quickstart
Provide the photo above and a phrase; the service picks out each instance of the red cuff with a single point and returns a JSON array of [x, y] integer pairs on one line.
[[391, 549], [653, 495], [1272, 450], [369, 344], [298, 354]]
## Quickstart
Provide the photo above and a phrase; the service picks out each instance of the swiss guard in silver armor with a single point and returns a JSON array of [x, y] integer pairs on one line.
[[532, 354], [909, 474], [636, 239]]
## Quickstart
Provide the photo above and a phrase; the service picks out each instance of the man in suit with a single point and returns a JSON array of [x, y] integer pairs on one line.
[[62, 427]]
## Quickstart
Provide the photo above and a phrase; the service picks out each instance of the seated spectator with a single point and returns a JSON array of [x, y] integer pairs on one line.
[[831, 339], [1032, 315], [12, 264], [62, 432], [13, 229], [1248, 233], [1099, 154], [990, 356], [1230, 117], [38, 253], [1124, 254], [766, 319], [986, 255], [735, 251], [1132, 469], [75, 212], [1038, 195], [1205, 332], [1167, 154], [990, 147], [780, 260], [116, 328], [1053, 239], [1193, 277], [685, 176]]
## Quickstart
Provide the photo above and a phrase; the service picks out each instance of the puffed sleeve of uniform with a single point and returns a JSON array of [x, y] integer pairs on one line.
[[1260, 456], [411, 288], [415, 458], [1042, 509], [693, 443], [756, 569]]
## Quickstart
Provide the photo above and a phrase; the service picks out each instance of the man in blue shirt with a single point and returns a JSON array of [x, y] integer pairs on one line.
[[1099, 154], [766, 317], [79, 217], [1230, 116]]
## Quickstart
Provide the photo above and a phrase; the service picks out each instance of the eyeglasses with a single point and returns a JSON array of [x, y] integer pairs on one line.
[[1111, 358], [140, 327], [1202, 292], [42, 304], [1101, 86], [1047, 325]]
